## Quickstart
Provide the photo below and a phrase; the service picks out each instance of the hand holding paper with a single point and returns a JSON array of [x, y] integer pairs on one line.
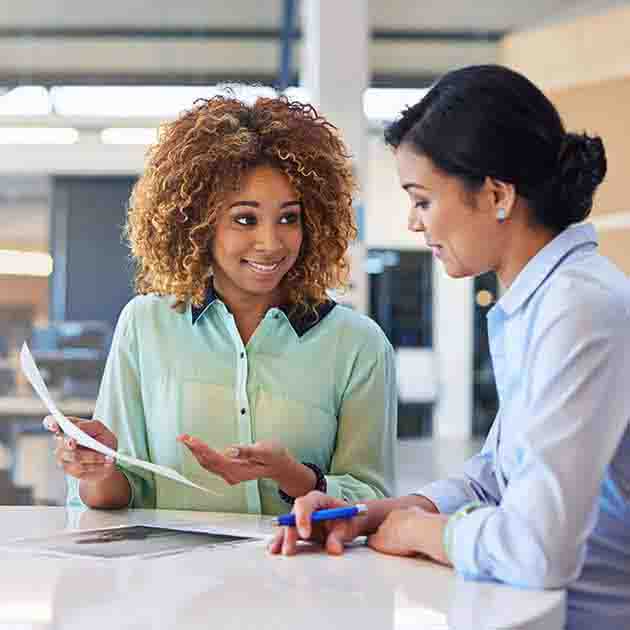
[[72, 430]]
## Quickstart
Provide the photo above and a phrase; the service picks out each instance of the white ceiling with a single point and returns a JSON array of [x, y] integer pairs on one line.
[[248, 14], [188, 41]]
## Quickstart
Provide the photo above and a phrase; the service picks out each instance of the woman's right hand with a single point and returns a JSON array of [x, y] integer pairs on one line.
[[78, 461], [331, 534]]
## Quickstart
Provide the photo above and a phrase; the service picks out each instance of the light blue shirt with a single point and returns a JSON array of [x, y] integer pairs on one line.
[[554, 473]]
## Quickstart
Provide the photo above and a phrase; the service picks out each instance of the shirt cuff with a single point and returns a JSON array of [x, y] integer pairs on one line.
[[333, 487], [461, 537], [132, 487], [441, 493]]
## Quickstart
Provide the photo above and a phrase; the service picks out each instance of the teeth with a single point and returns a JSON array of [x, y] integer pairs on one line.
[[260, 267]]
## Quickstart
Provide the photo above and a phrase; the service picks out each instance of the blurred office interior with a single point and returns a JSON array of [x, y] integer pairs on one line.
[[83, 88]]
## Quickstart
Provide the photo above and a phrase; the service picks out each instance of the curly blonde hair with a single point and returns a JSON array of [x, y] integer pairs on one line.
[[202, 157]]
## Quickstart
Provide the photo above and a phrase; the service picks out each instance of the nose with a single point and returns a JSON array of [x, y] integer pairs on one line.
[[414, 222], [268, 239]]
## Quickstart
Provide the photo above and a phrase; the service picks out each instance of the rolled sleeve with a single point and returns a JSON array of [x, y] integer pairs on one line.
[[476, 482], [363, 463], [119, 406], [571, 426]]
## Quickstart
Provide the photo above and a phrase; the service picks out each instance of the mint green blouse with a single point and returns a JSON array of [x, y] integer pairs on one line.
[[325, 390]]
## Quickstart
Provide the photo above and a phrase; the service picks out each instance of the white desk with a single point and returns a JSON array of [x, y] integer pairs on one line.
[[244, 588]]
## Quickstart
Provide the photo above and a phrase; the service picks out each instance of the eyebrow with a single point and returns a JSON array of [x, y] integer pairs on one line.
[[411, 185], [256, 204]]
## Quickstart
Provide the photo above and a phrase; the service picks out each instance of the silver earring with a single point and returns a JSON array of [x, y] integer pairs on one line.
[[501, 215]]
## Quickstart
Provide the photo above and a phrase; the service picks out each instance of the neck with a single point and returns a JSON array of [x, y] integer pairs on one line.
[[248, 309], [524, 243]]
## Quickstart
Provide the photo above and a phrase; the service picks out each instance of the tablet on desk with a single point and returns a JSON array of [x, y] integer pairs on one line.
[[126, 541]]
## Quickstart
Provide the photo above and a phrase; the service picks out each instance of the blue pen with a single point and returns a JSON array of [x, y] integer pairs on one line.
[[288, 520]]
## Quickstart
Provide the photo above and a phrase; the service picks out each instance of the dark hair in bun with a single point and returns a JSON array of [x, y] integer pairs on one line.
[[489, 121]]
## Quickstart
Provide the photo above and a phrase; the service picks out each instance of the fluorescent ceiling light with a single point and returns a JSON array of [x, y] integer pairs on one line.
[[38, 135], [26, 100], [167, 102], [129, 135], [386, 104], [140, 101], [18, 263]]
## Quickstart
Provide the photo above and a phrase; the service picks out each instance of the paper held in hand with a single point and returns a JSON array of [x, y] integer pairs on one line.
[[69, 428]]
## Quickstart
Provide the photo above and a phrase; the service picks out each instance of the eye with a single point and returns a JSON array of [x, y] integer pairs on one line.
[[423, 204], [245, 219], [290, 218]]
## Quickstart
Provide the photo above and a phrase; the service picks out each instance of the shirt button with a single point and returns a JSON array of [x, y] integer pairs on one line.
[[243, 411], [242, 355]]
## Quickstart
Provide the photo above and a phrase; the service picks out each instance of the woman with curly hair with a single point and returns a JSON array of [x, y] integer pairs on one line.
[[233, 364]]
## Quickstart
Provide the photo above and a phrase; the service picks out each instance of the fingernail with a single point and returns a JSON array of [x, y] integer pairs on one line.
[[232, 452], [109, 459]]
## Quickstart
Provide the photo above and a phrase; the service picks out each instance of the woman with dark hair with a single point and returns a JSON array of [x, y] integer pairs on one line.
[[238, 228], [497, 184]]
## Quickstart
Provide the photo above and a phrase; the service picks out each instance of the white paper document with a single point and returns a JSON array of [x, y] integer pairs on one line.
[[69, 428]]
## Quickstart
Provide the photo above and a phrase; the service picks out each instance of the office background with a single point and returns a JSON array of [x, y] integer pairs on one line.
[[84, 85]]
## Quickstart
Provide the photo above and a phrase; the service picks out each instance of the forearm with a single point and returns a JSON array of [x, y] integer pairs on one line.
[[112, 493]]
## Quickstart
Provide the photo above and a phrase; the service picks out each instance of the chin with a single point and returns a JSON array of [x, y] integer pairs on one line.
[[458, 273]]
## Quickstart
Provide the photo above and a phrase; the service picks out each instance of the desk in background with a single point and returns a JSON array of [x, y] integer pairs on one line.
[[30, 446], [243, 587]]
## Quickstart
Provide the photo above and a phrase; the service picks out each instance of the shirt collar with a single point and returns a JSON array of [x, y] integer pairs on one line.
[[540, 267], [301, 324]]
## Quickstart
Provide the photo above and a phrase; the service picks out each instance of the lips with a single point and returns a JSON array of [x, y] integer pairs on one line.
[[260, 267]]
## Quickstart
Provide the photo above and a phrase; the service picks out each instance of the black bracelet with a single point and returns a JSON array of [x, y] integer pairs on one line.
[[320, 483]]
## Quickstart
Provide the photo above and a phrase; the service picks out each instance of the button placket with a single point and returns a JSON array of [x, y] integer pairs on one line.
[[244, 416]]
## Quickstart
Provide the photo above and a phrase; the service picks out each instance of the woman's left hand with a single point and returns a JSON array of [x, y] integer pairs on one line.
[[241, 463], [409, 532]]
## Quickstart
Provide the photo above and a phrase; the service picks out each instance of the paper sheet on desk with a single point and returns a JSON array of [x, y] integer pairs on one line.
[[69, 428]]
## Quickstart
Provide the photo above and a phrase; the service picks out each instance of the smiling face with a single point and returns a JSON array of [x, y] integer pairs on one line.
[[459, 226], [257, 237]]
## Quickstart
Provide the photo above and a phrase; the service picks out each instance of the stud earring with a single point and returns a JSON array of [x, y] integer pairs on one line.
[[501, 215]]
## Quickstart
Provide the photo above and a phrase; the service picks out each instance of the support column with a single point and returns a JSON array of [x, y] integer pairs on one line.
[[453, 340], [335, 73]]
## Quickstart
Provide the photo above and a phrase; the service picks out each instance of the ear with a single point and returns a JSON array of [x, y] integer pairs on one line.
[[501, 195]]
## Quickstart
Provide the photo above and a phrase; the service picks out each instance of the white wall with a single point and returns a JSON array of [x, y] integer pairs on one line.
[[387, 205]]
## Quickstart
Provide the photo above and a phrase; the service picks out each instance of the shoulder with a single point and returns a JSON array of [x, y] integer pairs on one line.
[[359, 330], [147, 310], [591, 296]]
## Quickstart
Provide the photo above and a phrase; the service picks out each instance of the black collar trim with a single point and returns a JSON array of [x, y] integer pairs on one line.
[[301, 324]]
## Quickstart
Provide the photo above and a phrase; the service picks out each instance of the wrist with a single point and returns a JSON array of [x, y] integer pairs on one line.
[[307, 477], [294, 478], [111, 492]]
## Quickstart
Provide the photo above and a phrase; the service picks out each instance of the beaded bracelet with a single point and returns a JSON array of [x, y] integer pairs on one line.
[[320, 484]]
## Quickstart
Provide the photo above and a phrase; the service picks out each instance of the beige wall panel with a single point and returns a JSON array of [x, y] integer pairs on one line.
[[616, 245], [21, 291], [585, 50], [602, 109]]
